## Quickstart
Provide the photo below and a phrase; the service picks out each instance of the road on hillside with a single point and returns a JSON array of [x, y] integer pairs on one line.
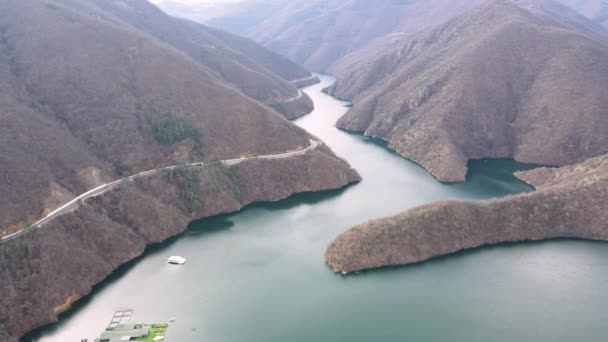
[[299, 96], [73, 204], [303, 79]]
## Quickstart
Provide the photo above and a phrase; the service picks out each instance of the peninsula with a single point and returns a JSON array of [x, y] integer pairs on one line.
[[569, 202]]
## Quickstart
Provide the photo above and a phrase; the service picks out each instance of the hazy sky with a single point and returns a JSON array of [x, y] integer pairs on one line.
[[199, 1]]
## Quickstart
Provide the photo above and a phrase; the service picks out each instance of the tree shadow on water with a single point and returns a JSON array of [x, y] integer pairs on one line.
[[196, 229], [116, 275], [213, 224], [210, 225], [307, 198]]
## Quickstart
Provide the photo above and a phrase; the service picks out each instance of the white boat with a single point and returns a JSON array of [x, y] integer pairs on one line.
[[176, 260]]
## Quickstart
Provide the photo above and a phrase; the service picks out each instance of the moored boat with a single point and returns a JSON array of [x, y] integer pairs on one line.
[[176, 260]]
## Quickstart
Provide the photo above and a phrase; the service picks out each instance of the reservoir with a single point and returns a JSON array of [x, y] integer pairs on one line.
[[259, 275]]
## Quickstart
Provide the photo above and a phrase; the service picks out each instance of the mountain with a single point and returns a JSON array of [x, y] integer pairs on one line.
[[197, 11], [565, 12], [596, 10], [497, 82], [83, 93], [88, 98], [247, 15], [318, 33], [569, 202], [256, 71], [233, 16]]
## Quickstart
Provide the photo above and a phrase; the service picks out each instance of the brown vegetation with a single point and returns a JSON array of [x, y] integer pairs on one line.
[[570, 203], [42, 270], [82, 91], [320, 33], [497, 82], [258, 72], [596, 10]]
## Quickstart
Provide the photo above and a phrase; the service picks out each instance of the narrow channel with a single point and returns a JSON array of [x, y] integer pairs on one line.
[[259, 275]]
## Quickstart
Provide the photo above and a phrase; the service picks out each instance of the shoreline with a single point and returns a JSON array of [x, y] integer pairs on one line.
[[567, 203], [158, 247], [160, 214], [101, 189]]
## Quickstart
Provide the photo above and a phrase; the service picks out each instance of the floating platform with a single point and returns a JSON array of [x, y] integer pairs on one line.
[[120, 329], [120, 317]]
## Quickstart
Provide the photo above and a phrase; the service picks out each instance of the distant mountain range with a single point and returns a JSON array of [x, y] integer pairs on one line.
[[318, 33], [596, 10], [234, 16], [198, 11]]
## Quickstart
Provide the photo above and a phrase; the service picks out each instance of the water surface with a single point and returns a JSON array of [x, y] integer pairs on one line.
[[259, 276]]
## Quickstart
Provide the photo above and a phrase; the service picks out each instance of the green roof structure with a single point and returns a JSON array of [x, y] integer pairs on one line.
[[135, 332]]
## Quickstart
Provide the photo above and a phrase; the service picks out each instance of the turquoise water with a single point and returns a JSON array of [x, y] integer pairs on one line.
[[259, 275]]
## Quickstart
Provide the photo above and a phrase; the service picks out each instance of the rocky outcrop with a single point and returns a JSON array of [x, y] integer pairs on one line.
[[501, 81], [41, 272], [570, 202]]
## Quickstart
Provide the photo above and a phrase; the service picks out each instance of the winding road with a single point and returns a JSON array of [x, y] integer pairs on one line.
[[300, 94], [303, 79], [73, 204]]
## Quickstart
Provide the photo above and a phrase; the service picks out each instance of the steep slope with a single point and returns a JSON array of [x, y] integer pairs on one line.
[[596, 10], [197, 11], [496, 82], [566, 13], [87, 99], [41, 272], [550, 11], [233, 16], [256, 71], [82, 95], [570, 202], [247, 15], [318, 33]]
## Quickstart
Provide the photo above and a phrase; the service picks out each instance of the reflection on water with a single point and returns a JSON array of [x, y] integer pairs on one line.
[[259, 276]]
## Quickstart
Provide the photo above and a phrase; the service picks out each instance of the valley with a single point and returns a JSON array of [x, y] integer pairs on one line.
[[259, 275], [447, 181], [96, 97]]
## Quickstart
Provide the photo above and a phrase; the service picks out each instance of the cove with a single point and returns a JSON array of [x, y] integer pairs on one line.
[[259, 275]]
